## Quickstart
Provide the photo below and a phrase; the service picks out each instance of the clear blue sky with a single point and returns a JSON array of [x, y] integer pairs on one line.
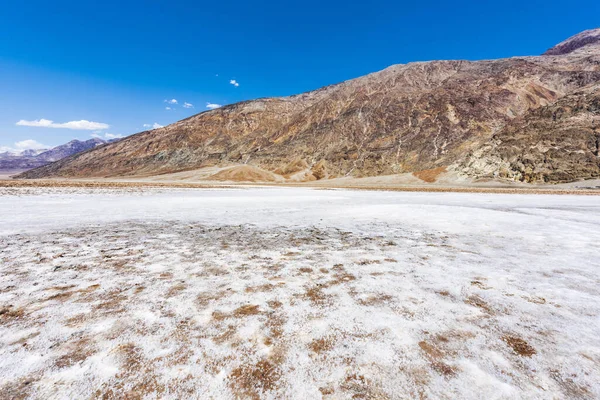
[[116, 62]]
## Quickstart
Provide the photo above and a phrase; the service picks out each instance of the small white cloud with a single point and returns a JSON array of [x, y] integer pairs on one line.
[[168, 108], [212, 106], [188, 105], [172, 101], [234, 83], [153, 126], [106, 136], [30, 144], [76, 125]]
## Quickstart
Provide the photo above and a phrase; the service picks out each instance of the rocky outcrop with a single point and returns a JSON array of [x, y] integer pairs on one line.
[[555, 143]]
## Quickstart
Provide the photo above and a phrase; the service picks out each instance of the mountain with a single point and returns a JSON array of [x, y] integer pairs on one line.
[[478, 118], [556, 143], [574, 43], [28, 159]]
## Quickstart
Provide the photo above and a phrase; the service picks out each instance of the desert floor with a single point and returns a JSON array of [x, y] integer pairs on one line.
[[139, 292]]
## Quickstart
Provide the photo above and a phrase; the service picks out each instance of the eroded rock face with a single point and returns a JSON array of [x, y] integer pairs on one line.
[[406, 118], [555, 143]]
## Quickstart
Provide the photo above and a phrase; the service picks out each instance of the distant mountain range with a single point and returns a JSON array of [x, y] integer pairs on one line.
[[28, 159], [528, 119]]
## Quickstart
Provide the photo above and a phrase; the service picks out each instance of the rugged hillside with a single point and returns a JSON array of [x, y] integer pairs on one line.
[[555, 143], [33, 159], [405, 118]]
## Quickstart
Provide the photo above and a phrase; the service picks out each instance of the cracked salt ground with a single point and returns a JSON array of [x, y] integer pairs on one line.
[[465, 296]]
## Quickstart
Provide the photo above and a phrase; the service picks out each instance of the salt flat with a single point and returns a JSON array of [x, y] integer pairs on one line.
[[297, 293]]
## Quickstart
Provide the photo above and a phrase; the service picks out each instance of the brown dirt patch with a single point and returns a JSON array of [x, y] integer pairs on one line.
[[252, 381], [176, 289], [316, 296], [519, 346], [274, 303], [375, 300], [369, 262], [226, 335], [10, 313], [436, 358], [479, 303], [480, 285], [322, 345], [76, 353], [246, 310], [260, 289], [204, 299], [429, 175]]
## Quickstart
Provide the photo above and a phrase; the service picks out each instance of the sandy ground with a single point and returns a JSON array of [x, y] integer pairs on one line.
[[435, 180], [7, 174], [141, 292]]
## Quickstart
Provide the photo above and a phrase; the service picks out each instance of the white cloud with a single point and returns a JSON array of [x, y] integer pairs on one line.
[[212, 106], [188, 105], [234, 83], [107, 136], [155, 125], [30, 144], [77, 125], [172, 101]]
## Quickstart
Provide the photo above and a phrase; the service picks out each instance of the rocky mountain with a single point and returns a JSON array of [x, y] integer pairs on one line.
[[523, 118], [556, 143], [28, 159], [576, 42]]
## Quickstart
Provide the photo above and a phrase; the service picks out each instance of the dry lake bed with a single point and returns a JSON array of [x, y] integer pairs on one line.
[[297, 293]]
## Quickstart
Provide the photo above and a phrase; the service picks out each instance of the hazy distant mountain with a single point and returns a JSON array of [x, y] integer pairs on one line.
[[523, 118], [28, 159]]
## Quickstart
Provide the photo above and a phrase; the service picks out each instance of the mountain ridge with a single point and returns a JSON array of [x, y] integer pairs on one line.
[[29, 159], [404, 118]]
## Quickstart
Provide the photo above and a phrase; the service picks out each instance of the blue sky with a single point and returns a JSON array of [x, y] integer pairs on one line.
[[116, 62]]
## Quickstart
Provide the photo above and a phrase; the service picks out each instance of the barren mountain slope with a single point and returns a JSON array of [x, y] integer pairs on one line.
[[402, 119], [556, 143]]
